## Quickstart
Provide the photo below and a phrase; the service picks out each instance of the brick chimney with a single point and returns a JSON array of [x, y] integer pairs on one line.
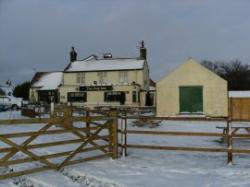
[[143, 51], [73, 55]]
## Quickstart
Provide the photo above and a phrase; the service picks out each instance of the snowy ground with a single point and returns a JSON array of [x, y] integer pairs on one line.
[[147, 168]]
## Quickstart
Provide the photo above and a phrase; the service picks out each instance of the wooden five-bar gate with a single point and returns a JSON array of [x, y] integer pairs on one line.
[[96, 134]]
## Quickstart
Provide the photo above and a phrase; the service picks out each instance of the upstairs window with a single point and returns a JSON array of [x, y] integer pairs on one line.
[[80, 78], [123, 77], [102, 77]]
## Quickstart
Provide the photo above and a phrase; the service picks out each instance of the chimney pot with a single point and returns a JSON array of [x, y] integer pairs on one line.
[[107, 55]]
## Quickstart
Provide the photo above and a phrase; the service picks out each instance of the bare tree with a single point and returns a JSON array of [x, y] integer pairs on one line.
[[235, 72]]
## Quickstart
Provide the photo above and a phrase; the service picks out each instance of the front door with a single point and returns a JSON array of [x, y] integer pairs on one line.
[[191, 99]]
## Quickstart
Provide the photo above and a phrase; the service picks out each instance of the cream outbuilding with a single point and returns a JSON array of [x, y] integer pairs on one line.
[[192, 89]]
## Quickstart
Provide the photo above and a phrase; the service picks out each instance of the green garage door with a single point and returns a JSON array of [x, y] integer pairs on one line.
[[191, 99]]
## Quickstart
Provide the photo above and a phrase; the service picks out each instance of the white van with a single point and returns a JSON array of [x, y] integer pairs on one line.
[[10, 102], [7, 100]]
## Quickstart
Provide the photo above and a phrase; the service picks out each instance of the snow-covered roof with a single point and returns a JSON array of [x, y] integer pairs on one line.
[[8, 90], [239, 94], [47, 80], [93, 64]]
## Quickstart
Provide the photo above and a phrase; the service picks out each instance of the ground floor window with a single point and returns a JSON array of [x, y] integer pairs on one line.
[[115, 96], [149, 101], [191, 99], [134, 95], [77, 97], [47, 96]]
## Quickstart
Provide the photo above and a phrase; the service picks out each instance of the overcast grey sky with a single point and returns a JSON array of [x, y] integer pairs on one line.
[[36, 35]]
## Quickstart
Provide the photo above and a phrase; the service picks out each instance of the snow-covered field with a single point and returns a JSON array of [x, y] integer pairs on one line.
[[148, 168]]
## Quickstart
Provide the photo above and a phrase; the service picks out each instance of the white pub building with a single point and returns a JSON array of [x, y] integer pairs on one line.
[[107, 81]]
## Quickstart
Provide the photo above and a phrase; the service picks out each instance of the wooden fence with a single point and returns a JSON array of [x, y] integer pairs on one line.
[[97, 133], [228, 134], [239, 109]]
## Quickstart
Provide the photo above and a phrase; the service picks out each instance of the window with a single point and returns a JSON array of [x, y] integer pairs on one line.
[[134, 96], [47, 96], [115, 97], [77, 97], [102, 77], [123, 77], [80, 78]]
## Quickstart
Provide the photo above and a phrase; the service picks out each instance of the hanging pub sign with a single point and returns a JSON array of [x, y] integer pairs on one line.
[[95, 88]]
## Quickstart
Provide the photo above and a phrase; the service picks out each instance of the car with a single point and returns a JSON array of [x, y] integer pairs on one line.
[[10, 102], [2, 108]]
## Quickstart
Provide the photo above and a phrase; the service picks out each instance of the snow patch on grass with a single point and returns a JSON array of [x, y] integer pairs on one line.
[[88, 180]]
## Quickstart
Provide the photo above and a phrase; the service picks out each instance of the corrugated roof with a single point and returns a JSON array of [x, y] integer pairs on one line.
[[93, 64]]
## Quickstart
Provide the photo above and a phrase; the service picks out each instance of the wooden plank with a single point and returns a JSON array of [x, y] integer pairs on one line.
[[90, 119], [229, 143], [126, 134], [114, 134], [174, 133], [243, 151], [172, 148], [240, 109], [27, 152], [57, 120], [49, 156], [51, 144], [29, 121], [26, 142], [38, 133], [87, 124], [65, 161], [75, 131], [241, 136], [177, 118]]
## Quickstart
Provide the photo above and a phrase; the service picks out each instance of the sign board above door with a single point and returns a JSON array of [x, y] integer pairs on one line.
[[95, 88]]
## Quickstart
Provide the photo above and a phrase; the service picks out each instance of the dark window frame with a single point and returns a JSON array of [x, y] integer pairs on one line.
[[114, 96], [77, 97], [134, 96]]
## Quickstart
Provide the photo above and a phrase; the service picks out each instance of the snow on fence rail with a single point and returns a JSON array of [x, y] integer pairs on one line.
[[97, 134]]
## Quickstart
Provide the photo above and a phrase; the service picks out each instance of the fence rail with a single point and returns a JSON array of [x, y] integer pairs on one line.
[[228, 135]]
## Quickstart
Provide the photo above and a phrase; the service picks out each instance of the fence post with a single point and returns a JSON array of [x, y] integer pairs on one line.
[[67, 111], [125, 135], [52, 110], [122, 134], [87, 123], [229, 143], [114, 133]]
